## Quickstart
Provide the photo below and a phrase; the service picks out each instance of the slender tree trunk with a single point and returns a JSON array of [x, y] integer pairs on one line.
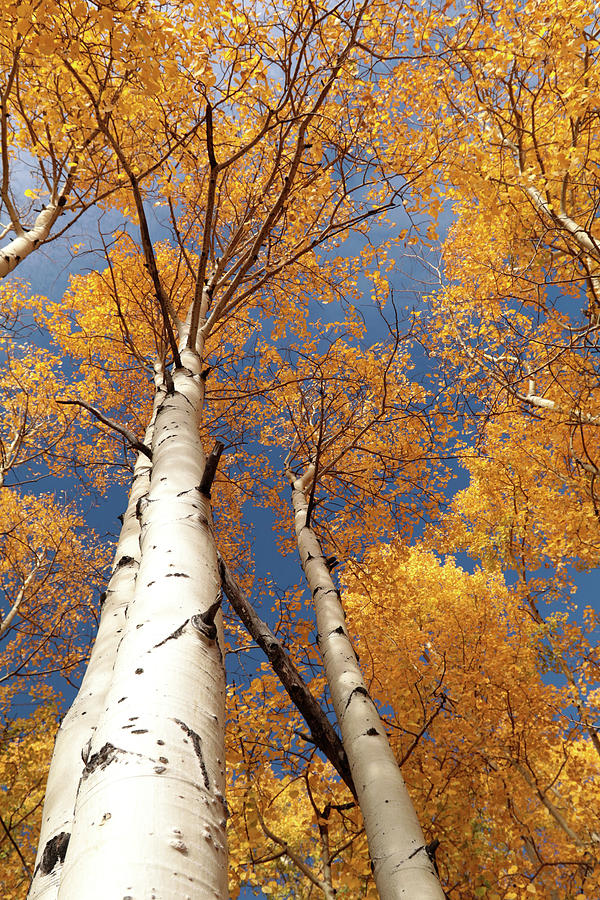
[[150, 812], [401, 864]]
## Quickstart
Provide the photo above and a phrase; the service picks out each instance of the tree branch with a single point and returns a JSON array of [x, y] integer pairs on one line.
[[146, 240], [210, 469], [322, 731], [17, 848], [294, 857], [202, 297], [127, 434]]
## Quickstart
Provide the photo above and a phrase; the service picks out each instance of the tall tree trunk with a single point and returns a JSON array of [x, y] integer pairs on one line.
[[401, 863], [79, 724], [150, 812]]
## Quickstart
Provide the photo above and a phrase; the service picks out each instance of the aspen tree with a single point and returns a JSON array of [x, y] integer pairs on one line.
[[509, 789], [514, 324], [510, 136], [399, 854], [514, 316], [50, 140]]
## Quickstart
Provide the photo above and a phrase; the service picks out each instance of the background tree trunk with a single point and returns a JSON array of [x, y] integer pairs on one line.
[[401, 864]]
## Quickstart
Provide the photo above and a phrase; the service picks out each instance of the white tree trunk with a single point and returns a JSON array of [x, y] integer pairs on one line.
[[401, 864], [150, 811], [79, 724]]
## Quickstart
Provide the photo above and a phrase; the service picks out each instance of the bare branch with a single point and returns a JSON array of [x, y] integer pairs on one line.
[[322, 731], [202, 296], [120, 429], [210, 469]]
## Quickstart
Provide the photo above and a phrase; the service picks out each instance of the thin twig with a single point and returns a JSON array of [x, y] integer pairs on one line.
[[17, 848]]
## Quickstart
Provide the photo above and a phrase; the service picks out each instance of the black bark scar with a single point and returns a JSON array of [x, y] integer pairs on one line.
[[54, 852], [205, 622], [357, 690], [197, 744], [100, 760], [105, 756], [173, 636]]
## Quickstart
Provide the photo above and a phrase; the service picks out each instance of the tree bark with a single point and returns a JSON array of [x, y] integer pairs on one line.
[[401, 864], [150, 812], [79, 724]]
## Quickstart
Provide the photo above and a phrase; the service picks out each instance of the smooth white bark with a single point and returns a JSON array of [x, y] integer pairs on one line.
[[79, 724], [25, 243], [150, 813], [583, 236], [401, 865]]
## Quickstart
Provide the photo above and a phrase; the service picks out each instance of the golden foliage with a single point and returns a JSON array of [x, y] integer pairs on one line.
[[25, 749]]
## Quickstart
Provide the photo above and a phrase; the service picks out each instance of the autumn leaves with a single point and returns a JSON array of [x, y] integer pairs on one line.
[[261, 138]]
